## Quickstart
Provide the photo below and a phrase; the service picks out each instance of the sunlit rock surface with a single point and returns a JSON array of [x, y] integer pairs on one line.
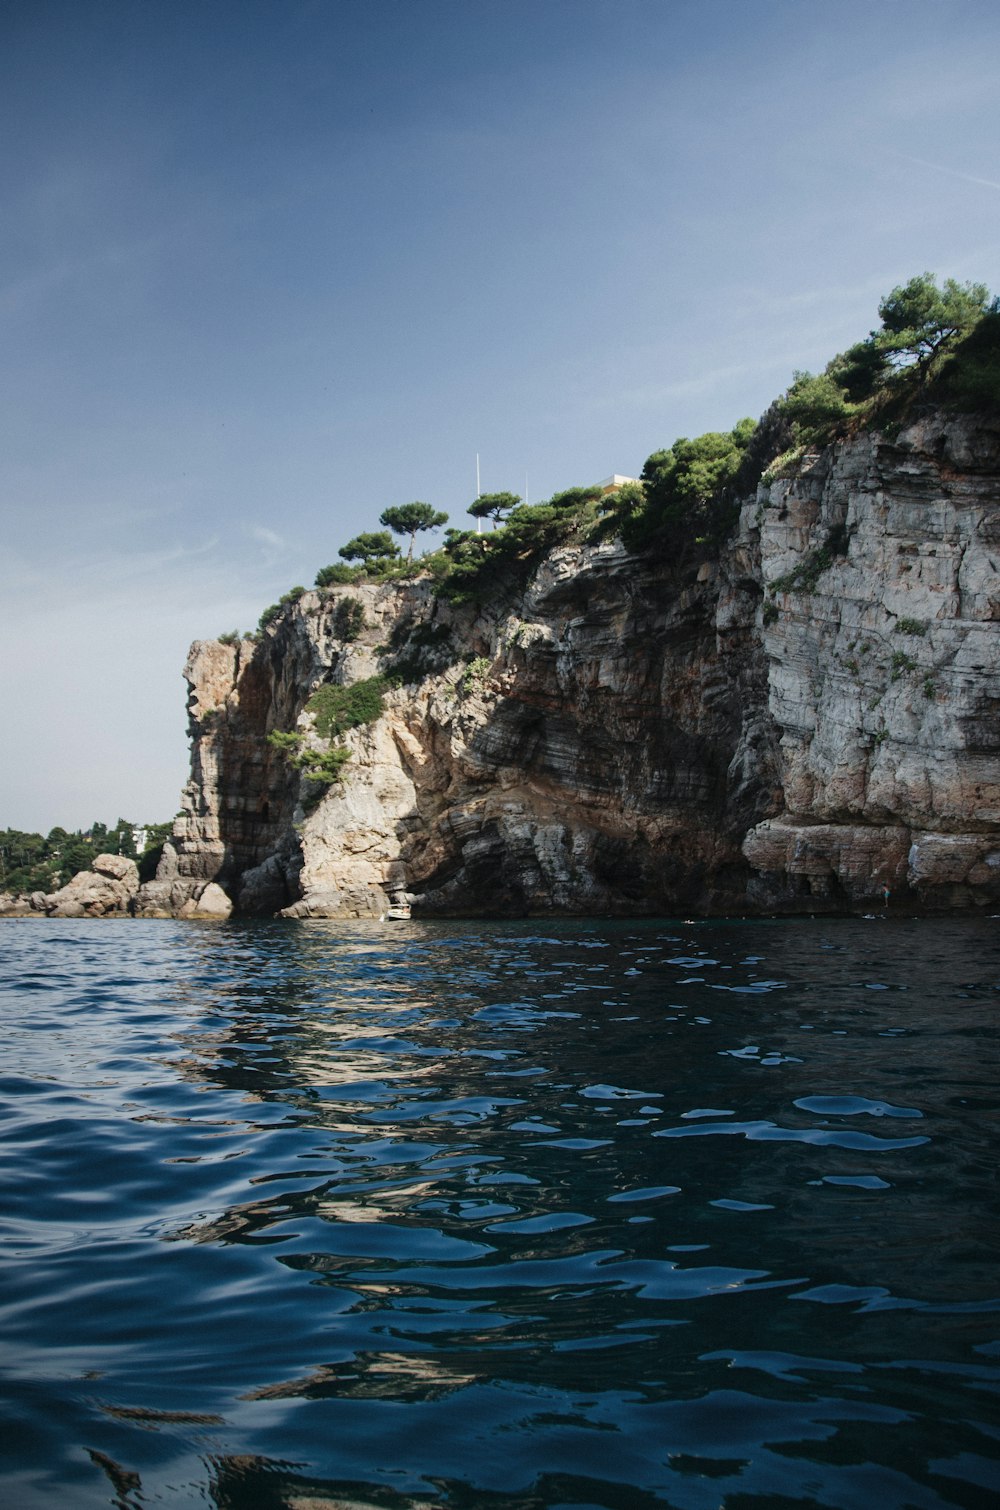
[[109, 889]]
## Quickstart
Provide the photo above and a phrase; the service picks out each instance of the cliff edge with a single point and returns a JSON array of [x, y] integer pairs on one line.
[[809, 722]]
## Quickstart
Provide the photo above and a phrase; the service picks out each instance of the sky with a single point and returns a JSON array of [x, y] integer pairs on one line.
[[268, 267]]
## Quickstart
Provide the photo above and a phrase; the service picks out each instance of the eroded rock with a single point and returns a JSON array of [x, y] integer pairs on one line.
[[109, 889]]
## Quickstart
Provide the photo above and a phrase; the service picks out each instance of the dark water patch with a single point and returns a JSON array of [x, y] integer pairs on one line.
[[623, 1215]]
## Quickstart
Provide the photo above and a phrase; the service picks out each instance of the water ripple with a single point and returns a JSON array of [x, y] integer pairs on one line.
[[608, 1215]]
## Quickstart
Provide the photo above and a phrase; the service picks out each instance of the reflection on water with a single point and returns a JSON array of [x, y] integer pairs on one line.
[[575, 1214]]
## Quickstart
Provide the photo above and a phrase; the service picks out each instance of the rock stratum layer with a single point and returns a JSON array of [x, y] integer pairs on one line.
[[809, 723]]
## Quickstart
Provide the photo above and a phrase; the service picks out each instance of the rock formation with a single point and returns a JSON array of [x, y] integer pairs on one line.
[[808, 723], [108, 890], [884, 678]]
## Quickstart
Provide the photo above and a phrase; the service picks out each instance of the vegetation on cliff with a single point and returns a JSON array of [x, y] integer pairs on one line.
[[934, 345], [472, 566], [411, 519], [335, 709], [685, 489]]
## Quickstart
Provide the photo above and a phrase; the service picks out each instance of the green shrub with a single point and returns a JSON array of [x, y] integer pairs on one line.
[[275, 610], [231, 637], [617, 512], [783, 465], [375, 549], [473, 567], [859, 371], [911, 626], [817, 407], [804, 577], [323, 766], [475, 673], [575, 498], [689, 497], [901, 662], [284, 742], [770, 614], [686, 497], [970, 375], [348, 619], [941, 343], [437, 564], [336, 709], [504, 558], [339, 572]]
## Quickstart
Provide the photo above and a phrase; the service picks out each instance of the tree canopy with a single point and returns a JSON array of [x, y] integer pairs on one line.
[[684, 483], [930, 337], [493, 505], [575, 498], [374, 549], [816, 405], [35, 862], [481, 564], [337, 572], [409, 518], [919, 319]]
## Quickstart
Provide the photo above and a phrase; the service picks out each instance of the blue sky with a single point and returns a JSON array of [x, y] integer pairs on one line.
[[266, 268]]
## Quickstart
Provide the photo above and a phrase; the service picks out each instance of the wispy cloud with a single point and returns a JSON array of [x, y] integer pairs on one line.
[[969, 178], [105, 576], [270, 538]]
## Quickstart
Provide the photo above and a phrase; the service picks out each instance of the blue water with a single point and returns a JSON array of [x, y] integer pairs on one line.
[[530, 1215]]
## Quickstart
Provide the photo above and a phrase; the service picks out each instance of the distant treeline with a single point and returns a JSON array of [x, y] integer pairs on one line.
[[44, 862]]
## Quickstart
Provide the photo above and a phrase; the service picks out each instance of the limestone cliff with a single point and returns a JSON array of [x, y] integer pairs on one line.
[[799, 725], [884, 679]]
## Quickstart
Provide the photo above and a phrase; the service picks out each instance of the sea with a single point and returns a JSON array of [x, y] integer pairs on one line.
[[551, 1215]]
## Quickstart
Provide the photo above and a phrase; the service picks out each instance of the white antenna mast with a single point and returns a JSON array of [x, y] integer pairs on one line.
[[479, 522]]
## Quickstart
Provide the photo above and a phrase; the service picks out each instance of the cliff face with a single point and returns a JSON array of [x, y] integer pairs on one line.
[[800, 725], [884, 681]]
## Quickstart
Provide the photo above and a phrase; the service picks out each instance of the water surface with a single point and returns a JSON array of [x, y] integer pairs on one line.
[[534, 1215]]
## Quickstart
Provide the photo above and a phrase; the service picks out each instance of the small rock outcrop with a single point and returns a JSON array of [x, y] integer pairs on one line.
[[108, 890], [809, 723]]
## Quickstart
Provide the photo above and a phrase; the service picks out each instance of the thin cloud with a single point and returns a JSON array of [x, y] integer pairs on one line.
[[267, 537], [969, 178], [273, 546]]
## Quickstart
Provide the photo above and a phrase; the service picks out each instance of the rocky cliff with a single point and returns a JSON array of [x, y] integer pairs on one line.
[[808, 723]]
